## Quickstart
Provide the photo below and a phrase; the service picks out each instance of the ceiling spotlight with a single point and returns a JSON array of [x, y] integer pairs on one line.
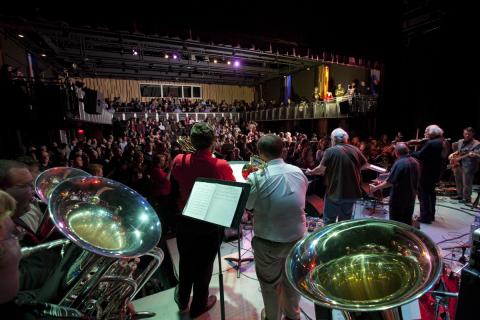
[[166, 56], [175, 56], [236, 64], [215, 60], [134, 52], [229, 62], [43, 55], [21, 35]]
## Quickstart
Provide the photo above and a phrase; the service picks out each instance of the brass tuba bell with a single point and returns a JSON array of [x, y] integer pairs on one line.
[[115, 226], [364, 265]]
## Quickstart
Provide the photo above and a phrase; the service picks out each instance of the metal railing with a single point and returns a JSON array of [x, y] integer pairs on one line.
[[176, 116], [340, 108], [105, 117]]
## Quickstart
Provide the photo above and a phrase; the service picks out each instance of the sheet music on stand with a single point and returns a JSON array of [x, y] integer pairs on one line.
[[376, 168], [217, 201], [221, 203]]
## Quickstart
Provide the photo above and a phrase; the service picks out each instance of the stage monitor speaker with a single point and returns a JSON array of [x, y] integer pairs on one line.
[[467, 305], [344, 107], [91, 102], [470, 282]]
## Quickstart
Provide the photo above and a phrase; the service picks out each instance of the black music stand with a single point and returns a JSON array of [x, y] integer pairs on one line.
[[237, 167], [239, 260], [221, 203]]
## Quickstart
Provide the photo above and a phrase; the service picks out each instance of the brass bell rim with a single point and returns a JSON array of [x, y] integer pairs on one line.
[[66, 229], [38, 180], [328, 302]]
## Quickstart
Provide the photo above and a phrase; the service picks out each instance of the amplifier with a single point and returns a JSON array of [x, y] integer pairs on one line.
[[467, 305]]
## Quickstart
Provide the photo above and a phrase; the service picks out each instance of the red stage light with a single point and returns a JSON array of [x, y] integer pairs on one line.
[[80, 131]]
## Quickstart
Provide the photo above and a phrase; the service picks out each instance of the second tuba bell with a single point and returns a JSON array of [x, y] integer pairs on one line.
[[364, 265]]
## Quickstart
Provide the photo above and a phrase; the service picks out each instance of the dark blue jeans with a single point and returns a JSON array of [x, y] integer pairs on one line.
[[341, 209]]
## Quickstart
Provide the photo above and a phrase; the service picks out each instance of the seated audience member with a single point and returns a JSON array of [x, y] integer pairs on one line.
[[11, 305], [95, 169], [32, 164], [16, 180]]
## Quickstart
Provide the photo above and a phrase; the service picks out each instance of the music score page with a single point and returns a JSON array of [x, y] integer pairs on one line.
[[214, 203]]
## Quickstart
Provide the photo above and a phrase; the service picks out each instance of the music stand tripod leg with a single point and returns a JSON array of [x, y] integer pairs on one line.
[[220, 276], [239, 260], [437, 307]]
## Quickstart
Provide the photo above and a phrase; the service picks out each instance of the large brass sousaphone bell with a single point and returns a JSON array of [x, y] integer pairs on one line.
[[364, 265], [115, 226], [105, 217]]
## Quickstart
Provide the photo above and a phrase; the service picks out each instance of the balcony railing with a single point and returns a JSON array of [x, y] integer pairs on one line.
[[339, 108], [104, 118], [176, 116]]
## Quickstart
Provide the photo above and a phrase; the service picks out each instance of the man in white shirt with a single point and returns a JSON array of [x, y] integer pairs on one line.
[[277, 199]]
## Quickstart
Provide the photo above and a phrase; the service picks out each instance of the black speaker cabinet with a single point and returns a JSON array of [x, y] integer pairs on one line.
[[467, 306], [91, 102], [344, 107]]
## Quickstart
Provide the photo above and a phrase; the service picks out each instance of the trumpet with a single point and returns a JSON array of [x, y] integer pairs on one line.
[[255, 164]]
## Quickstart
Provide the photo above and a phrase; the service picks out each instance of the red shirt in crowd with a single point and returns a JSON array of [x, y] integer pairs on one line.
[[161, 184], [201, 164]]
